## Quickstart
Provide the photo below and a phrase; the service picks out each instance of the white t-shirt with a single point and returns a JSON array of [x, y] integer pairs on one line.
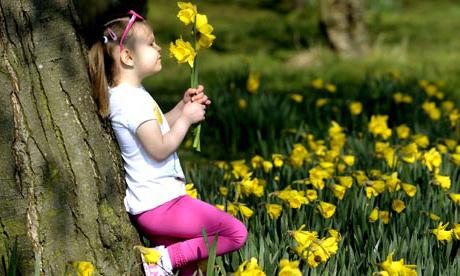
[[150, 183]]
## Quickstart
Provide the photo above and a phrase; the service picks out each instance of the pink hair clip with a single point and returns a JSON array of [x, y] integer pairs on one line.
[[130, 23], [112, 34]]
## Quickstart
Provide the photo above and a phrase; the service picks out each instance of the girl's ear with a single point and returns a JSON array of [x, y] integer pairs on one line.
[[126, 57]]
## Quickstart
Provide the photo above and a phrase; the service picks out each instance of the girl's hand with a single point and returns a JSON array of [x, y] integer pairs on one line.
[[193, 112], [196, 95]]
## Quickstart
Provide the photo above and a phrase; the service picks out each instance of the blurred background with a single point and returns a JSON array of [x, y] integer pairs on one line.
[[291, 43]]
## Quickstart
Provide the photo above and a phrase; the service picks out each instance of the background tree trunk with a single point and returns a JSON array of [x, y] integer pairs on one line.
[[343, 24], [61, 181]]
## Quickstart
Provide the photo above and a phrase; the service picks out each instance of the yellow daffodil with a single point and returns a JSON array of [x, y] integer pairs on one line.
[[83, 268], [298, 98], [398, 205], [317, 83], [245, 211], [432, 160], [331, 88], [274, 210], [187, 12], [253, 82], [378, 126], [355, 108], [454, 197], [397, 268], [295, 198], [277, 160], [151, 255], [384, 216], [204, 29], [433, 112], [409, 189], [249, 268], [267, 165], [182, 51], [421, 140], [242, 103], [441, 233], [410, 153], [288, 268], [326, 209], [349, 160], [192, 192], [299, 155], [338, 191], [442, 181], [321, 101], [403, 131], [223, 190], [346, 181], [374, 215]]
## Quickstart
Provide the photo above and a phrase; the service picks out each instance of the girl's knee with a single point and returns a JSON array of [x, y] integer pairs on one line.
[[240, 235]]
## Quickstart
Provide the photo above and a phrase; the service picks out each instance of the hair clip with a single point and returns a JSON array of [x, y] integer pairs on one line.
[[106, 39], [112, 34]]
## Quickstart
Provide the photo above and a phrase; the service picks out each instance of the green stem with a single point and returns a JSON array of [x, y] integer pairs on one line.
[[194, 84]]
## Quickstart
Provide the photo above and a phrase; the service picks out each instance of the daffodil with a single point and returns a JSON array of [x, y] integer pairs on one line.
[[223, 190], [346, 181], [192, 192], [326, 209], [374, 215], [253, 82], [396, 268], [151, 255], [384, 216], [274, 210], [298, 98], [203, 34], [409, 189], [187, 12], [455, 198], [245, 211], [421, 140], [378, 126], [441, 233], [249, 268], [442, 181], [355, 108], [398, 205], [288, 268], [182, 51], [83, 268], [403, 131]]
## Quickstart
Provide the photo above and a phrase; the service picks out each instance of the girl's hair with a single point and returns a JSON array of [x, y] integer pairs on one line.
[[102, 69]]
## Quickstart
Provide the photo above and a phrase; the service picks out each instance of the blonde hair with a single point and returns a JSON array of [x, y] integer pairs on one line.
[[102, 69]]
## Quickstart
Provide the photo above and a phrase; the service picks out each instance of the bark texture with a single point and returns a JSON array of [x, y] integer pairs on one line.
[[61, 174], [343, 24]]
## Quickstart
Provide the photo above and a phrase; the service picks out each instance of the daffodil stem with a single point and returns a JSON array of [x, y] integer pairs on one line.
[[194, 84]]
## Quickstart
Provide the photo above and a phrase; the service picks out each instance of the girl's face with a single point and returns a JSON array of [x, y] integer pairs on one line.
[[147, 54]]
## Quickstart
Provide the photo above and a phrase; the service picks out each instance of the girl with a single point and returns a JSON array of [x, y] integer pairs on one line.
[[155, 199]]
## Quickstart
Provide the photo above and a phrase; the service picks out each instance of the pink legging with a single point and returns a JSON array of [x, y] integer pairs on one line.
[[178, 224]]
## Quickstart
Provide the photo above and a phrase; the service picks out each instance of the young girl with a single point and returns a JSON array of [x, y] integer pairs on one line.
[[155, 199]]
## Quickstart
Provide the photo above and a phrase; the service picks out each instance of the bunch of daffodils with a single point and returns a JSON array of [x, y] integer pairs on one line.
[[186, 52]]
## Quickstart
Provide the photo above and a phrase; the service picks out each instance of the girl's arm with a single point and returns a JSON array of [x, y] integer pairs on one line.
[[174, 113]]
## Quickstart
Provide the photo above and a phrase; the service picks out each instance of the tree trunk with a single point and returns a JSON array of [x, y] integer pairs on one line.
[[343, 24], [61, 180]]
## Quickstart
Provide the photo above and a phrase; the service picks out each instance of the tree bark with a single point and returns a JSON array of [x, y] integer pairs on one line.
[[61, 180], [342, 21]]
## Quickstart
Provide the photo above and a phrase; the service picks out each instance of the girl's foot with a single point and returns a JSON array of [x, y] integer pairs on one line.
[[159, 269]]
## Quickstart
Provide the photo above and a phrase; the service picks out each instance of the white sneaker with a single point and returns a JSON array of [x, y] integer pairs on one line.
[[162, 268]]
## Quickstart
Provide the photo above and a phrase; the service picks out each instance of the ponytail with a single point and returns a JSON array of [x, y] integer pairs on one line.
[[98, 78]]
